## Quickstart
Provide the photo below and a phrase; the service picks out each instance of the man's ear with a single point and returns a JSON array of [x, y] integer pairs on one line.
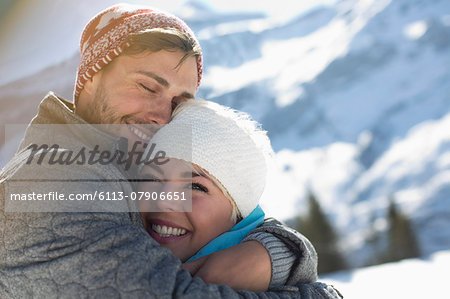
[[89, 85], [88, 92]]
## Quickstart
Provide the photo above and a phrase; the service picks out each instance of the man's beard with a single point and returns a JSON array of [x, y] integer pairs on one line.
[[98, 111]]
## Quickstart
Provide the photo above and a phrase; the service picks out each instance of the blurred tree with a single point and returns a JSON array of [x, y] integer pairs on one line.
[[402, 241], [375, 239], [316, 227]]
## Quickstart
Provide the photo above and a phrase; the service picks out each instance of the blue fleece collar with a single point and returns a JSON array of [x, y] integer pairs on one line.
[[233, 236]]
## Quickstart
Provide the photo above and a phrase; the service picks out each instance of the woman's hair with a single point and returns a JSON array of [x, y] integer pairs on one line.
[[235, 214]]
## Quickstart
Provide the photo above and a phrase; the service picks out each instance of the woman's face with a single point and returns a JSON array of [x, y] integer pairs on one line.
[[184, 232]]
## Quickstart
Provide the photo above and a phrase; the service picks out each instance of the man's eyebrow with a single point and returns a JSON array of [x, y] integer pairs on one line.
[[164, 83], [187, 95], [158, 79]]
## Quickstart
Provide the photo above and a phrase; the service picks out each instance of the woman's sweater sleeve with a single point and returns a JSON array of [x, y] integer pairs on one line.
[[293, 258], [281, 258]]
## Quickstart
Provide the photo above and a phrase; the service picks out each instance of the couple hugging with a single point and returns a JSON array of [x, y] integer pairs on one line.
[[140, 66]]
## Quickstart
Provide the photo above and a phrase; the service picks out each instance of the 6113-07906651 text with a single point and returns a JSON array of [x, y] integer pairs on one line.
[[56, 196]]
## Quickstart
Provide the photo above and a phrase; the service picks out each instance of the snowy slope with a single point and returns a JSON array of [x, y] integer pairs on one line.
[[412, 279], [319, 93], [415, 171], [355, 95]]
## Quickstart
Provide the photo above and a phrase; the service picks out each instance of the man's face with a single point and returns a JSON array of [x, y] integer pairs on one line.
[[138, 89]]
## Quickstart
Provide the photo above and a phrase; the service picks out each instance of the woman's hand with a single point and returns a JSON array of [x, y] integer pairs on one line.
[[246, 266]]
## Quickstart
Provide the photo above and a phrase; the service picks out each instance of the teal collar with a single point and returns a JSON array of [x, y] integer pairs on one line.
[[233, 236]]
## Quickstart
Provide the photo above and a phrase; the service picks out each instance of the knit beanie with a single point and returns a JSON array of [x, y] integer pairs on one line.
[[104, 36], [225, 143]]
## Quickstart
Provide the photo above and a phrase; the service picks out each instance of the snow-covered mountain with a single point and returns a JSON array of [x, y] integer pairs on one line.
[[355, 96], [356, 100]]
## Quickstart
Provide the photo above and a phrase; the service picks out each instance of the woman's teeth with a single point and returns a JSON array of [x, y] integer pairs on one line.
[[167, 231]]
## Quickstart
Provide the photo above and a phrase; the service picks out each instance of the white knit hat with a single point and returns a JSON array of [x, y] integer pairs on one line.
[[225, 143]]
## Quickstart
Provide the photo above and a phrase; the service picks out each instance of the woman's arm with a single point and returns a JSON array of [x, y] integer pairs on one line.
[[271, 256], [245, 266], [294, 259], [281, 257]]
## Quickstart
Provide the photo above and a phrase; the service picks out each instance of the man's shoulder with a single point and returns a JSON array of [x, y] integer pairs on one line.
[[38, 161], [39, 171], [38, 184], [58, 143]]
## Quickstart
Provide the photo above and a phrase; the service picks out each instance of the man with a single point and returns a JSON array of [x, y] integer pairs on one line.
[[136, 65]]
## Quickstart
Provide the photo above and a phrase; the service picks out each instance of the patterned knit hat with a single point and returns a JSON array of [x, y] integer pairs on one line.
[[225, 143], [104, 36]]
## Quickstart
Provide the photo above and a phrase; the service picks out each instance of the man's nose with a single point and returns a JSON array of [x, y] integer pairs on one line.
[[159, 111]]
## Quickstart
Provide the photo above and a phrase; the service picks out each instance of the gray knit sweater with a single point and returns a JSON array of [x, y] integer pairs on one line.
[[106, 254]]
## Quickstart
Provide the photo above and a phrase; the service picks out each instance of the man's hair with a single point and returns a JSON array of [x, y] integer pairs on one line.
[[168, 39]]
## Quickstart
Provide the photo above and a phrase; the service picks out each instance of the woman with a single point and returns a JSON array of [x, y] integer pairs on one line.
[[223, 164]]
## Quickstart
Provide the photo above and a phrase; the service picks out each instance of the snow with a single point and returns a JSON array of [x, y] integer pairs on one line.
[[280, 62], [330, 167], [386, 100], [284, 9], [401, 161], [412, 278], [416, 30]]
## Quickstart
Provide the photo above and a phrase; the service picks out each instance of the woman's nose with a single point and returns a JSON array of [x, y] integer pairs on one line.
[[172, 198]]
